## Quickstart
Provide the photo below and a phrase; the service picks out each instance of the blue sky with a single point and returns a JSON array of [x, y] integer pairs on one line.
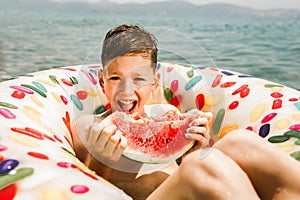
[[257, 4]]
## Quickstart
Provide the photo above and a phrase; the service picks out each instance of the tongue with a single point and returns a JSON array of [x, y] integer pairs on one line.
[[126, 107]]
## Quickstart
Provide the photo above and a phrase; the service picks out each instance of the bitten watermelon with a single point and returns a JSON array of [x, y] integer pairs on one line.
[[155, 139]]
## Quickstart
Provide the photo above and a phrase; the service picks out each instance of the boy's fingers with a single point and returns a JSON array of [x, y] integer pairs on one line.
[[198, 137], [100, 136], [115, 138], [199, 122], [94, 133], [120, 148], [112, 145], [109, 149], [103, 140], [202, 140], [200, 130], [109, 130], [198, 133], [208, 115], [117, 154], [123, 143], [115, 146], [100, 144], [194, 136]]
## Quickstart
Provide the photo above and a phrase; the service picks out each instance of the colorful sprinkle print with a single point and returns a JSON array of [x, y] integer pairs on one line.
[[8, 165], [9, 192], [79, 189], [233, 105], [191, 83], [217, 80], [7, 113], [8, 105], [168, 94], [36, 113], [76, 102], [200, 101], [218, 121], [40, 92], [38, 155], [22, 89], [19, 174], [174, 86]]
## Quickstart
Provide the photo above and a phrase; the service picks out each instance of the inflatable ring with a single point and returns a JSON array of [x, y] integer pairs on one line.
[[36, 153]]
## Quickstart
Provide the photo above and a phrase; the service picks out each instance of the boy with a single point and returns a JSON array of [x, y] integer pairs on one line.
[[129, 57]]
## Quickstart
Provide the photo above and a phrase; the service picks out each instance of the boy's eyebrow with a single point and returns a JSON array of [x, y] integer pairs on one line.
[[112, 73], [137, 73]]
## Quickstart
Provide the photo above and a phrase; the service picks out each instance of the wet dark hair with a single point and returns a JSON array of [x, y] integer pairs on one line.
[[128, 39]]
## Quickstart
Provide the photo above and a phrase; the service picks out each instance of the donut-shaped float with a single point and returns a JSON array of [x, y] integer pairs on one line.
[[36, 150]]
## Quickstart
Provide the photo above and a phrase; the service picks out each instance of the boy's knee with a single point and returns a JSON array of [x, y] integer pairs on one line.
[[215, 170], [198, 168], [199, 174], [238, 139], [245, 147]]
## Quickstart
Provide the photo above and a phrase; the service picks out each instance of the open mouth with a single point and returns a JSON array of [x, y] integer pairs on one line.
[[127, 106]]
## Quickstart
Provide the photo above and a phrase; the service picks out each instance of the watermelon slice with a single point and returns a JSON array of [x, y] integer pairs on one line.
[[158, 138]]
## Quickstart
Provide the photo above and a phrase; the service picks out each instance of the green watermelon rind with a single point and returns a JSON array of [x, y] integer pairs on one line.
[[150, 159]]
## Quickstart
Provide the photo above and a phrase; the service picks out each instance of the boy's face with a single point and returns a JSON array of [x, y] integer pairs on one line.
[[128, 82]]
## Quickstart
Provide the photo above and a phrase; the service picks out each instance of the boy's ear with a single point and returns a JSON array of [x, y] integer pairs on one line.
[[156, 80], [100, 78]]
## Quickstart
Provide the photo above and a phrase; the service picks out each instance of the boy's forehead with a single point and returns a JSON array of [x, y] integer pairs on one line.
[[133, 69], [130, 63]]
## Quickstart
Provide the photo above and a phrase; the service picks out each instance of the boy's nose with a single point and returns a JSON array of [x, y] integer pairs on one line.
[[127, 86]]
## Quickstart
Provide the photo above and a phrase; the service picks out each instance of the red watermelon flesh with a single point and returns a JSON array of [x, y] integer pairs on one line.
[[156, 139]]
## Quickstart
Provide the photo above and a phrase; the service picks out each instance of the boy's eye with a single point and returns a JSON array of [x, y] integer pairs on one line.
[[114, 78], [139, 79]]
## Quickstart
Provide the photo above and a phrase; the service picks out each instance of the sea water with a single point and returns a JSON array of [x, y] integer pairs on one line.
[[264, 47]]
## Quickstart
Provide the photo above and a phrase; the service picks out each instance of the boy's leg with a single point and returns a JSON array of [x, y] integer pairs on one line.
[[273, 173], [214, 177]]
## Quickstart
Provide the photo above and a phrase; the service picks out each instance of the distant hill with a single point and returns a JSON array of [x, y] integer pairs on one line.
[[166, 8]]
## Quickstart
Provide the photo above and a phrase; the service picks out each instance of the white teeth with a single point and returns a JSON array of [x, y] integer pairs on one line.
[[126, 102], [126, 105]]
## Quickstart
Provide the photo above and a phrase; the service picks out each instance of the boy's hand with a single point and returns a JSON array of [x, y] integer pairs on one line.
[[106, 141], [199, 128]]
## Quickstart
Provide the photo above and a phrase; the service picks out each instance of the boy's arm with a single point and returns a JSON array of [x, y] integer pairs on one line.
[[80, 128]]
